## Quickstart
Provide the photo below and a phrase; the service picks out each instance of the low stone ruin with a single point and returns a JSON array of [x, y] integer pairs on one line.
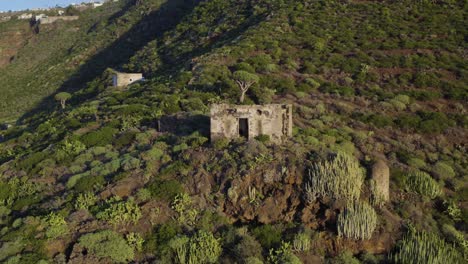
[[250, 121], [120, 79]]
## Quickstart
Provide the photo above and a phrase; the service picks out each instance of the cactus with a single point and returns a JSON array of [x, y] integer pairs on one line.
[[252, 194], [358, 221], [301, 242], [85, 200], [203, 247], [422, 247], [120, 212], [181, 205], [135, 240], [339, 178], [377, 197], [179, 246], [420, 182]]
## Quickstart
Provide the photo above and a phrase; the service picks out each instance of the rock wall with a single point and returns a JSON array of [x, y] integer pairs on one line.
[[52, 19]]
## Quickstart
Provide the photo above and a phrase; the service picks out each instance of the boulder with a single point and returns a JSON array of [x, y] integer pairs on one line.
[[381, 177]]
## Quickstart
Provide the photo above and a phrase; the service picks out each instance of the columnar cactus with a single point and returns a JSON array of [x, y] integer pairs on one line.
[[358, 221]]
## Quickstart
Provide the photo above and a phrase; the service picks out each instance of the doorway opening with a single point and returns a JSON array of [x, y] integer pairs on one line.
[[244, 128]]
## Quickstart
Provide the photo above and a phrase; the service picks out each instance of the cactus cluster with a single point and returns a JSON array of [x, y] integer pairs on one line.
[[338, 178], [422, 183], [301, 242], [422, 247], [358, 221], [201, 248]]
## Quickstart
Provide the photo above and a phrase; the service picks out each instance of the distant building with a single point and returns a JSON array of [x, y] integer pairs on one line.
[[25, 16], [5, 18], [61, 12], [249, 121], [97, 4], [38, 18], [120, 79]]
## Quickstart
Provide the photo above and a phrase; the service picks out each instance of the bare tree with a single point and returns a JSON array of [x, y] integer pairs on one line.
[[245, 80]]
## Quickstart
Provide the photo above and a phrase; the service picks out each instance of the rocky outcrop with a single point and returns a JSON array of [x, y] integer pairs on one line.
[[381, 180], [266, 196]]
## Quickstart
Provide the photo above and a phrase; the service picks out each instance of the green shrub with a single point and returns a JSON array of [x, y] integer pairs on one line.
[[158, 242], [345, 257], [247, 247], [443, 170], [101, 137], [416, 163], [88, 183], [283, 254], [420, 182], [422, 247], [125, 139], [143, 195], [31, 161], [56, 225], [340, 178], [108, 244], [154, 154], [263, 138], [357, 221], [165, 189], [380, 120], [129, 163], [268, 235]]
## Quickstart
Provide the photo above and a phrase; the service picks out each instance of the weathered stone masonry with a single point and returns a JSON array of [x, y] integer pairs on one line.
[[123, 79], [249, 121]]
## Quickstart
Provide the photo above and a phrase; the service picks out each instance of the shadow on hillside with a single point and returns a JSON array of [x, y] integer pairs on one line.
[[185, 124], [149, 28]]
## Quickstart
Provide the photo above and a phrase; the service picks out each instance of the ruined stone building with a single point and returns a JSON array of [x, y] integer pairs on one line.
[[52, 19], [120, 79], [249, 121]]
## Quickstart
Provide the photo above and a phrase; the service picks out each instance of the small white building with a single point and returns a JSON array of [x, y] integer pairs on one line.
[[97, 4], [61, 12], [38, 18], [25, 16], [120, 79]]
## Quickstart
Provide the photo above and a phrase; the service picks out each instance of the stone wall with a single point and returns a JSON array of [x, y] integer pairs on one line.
[[249, 121], [124, 79], [52, 19]]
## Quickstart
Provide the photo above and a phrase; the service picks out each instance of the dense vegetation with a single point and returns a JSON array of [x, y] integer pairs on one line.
[[90, 173]]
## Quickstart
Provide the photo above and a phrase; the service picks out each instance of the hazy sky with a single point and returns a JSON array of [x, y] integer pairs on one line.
[[6, 5]]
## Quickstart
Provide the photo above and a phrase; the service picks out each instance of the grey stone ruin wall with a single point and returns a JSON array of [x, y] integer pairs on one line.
[[274, 120], [52, 19], [124, 79]]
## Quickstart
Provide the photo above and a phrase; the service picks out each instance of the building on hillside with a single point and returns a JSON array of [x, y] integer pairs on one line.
[[38, 18], [249, 121], [121, 79], [97, 4], [25, 16], [60, 12], [5, 18]]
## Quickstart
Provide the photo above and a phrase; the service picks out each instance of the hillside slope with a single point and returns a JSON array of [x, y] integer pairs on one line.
[[124, 175]]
